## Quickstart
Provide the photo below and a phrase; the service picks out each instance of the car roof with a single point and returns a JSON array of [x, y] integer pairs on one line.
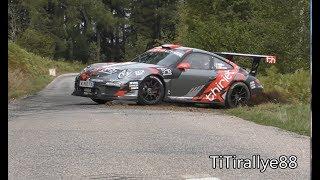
[[184, 48]]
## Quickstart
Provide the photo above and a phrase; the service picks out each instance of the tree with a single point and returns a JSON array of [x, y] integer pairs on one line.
[[247, 26], [18, 20]]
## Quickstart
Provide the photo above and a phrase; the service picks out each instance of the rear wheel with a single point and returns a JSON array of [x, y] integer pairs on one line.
[[151, 91], [100, 101], [238, 94]]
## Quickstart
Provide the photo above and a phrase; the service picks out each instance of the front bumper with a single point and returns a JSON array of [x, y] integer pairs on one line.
[[106, 92]]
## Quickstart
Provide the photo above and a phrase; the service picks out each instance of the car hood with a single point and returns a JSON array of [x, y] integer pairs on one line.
[[109, 71]]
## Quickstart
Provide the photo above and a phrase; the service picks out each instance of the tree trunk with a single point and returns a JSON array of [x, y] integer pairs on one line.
[[157, 23], [13, 22], [85, 19], [98, 46]]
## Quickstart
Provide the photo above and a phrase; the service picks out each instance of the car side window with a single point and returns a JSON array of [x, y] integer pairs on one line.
[[199, 61], [221, 65]]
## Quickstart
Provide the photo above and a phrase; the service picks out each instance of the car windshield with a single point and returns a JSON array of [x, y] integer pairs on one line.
[[164, 58]]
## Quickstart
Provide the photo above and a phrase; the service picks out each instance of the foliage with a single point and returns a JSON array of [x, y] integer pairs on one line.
[[292, 87], [113, 26], [37, 42], [261, 27], [119, 30], [28, 73], [93, 53], [18, 19]]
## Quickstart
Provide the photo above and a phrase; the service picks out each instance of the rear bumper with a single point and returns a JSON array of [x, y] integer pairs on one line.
[[256, 91]]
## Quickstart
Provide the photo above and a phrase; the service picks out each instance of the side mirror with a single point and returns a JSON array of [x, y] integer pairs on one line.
[[183, 66]]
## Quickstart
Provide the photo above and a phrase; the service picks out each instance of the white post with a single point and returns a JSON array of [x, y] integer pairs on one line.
[[52, 72]]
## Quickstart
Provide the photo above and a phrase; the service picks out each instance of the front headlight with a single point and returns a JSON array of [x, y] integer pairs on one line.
[[124, 73]]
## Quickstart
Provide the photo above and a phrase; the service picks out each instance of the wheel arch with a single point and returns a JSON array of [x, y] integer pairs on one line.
[[243, 81], [155, 76], [162, 80], [158, 76]]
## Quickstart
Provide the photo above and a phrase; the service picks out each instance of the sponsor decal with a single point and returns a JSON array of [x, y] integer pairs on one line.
[[109, 71], [257, 82], [113, 83], [124, 73], [160, 49], [194, 91], [271, 59], [177, 53], [219, 84], [139, 72], [166, 72], [96, 80], [252, 85], [133, 85]]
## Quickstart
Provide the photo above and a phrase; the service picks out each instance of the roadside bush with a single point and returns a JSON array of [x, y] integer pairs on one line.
[[291, 87], [38, 43]]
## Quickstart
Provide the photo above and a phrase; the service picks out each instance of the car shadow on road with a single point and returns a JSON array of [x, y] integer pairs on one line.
[[173, 106]]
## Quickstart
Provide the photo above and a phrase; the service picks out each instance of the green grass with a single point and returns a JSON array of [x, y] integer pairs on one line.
[[291, 117], [29, 73], [285, 102]]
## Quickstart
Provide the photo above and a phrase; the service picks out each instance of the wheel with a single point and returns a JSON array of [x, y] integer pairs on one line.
[[99, 101], [238, 94], [151, 91]]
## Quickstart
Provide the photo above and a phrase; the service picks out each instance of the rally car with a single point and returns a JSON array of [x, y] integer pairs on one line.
[[173, 73]]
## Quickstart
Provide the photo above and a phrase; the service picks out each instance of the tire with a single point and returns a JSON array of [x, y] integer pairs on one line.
[[238, 94], [151, 91], [100, 101]]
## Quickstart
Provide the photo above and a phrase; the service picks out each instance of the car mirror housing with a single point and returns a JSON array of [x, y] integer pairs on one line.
[[183, 66]]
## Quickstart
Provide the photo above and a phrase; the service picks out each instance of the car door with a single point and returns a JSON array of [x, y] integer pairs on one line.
[[194, 78], [217, 88]]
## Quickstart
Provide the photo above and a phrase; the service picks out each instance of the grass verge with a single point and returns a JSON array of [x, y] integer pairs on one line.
[[29, 73], [291, 117], [285, 102]]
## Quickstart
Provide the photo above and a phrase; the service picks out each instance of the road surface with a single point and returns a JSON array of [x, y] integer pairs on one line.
[[54, 135]]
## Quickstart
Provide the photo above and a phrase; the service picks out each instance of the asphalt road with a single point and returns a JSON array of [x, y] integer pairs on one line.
[[54, 135]]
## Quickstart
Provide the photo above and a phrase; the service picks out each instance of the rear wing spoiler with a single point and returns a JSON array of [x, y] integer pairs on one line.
[[254, 57]]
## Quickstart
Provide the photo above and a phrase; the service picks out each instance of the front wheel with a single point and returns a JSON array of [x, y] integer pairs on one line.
[[99, 101], [151, 91], [238, 94]]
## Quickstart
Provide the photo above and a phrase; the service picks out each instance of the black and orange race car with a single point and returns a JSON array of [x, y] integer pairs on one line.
[[173, 73]]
